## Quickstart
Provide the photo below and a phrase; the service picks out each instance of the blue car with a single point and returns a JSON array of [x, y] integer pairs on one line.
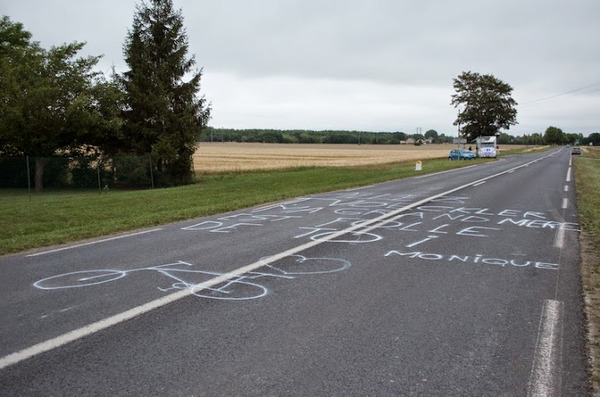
[[461, 154]]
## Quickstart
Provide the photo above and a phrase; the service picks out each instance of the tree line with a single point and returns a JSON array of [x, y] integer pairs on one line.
[[55, 103], [550, 137], [211, 134], [556, 136]]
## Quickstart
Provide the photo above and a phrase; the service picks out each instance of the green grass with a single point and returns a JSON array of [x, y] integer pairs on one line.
[[54, 217], [505, 152], [587, 179]]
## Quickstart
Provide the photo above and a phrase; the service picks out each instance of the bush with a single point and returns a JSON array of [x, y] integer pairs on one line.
[[130, 171]]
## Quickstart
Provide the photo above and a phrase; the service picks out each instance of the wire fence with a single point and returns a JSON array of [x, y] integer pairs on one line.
[[102, 173]]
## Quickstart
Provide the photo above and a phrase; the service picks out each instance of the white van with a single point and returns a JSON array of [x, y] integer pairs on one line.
[[486, 146]]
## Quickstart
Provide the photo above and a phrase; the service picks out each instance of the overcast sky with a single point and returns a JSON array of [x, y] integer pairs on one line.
[[370, 65]]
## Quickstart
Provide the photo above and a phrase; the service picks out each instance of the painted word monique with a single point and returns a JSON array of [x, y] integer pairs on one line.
[[476, 259]]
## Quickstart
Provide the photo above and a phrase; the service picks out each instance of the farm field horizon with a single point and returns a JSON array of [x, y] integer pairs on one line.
[[213, 157]]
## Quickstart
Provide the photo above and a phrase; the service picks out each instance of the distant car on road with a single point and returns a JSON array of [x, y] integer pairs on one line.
[[575, 150], [461, 154]]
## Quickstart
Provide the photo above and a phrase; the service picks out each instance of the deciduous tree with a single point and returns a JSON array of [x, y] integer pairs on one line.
[[485, 105], [593, 138], [48, 101], [433, 134], [554, 136]]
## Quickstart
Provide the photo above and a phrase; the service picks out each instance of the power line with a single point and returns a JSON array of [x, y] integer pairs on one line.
[[535, 101]]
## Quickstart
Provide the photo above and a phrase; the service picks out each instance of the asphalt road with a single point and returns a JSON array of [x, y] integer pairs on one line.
[[452, 284]]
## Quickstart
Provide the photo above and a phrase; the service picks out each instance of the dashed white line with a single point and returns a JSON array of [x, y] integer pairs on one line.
[[559, 238], [568, 179], [566, 189], [544, 379], [565, 203]]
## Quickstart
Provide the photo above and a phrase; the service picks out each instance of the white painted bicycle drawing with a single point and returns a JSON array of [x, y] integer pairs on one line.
[[239, 287]]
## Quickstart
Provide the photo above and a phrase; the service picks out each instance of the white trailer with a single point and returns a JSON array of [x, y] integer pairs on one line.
[[486, 146]]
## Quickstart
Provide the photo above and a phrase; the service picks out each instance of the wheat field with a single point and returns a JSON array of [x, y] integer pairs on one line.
[[211, 157]]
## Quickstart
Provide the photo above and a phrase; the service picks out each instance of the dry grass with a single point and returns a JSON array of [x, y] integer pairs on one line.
[[587, 178], [211, 157]]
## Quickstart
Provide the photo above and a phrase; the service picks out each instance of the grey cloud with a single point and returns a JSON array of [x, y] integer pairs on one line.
[[540, 47]]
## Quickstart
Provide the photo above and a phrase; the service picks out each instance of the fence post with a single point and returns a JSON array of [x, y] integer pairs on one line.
[[28, 177], [151, 173], [99, 180]]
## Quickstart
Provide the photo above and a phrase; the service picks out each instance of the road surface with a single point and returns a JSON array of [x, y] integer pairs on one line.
[[452, 284]]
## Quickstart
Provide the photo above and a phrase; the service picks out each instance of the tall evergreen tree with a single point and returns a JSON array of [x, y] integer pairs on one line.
[[165, 114]]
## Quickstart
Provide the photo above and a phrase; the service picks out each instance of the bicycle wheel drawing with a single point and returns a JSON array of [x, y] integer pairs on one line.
[[79, 279], [232, 290], [299, 264]]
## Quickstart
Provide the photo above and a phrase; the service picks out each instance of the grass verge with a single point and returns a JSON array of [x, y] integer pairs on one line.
[[57, 217], [587, 179]]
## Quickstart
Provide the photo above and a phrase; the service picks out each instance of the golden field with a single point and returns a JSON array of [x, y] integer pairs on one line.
[[211, 157], [232, 156]]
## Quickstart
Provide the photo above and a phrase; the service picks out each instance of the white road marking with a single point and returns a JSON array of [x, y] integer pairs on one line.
[[566, 188], [544, 379], [559, 238], [444, 172], [568, 179], [93, 242], [421, 241], [565, 203], [479, 184], [90, 329], [61, 340]]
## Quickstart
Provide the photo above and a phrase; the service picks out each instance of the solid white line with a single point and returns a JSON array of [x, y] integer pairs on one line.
[[93, 242], [444, 172], [90, 329], [479, 184], [61, 340], [565, 203], [544, 379]]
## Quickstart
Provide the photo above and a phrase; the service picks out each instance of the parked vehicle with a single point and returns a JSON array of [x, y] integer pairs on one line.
[[486, 146], [575, 150], [461, 154]]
